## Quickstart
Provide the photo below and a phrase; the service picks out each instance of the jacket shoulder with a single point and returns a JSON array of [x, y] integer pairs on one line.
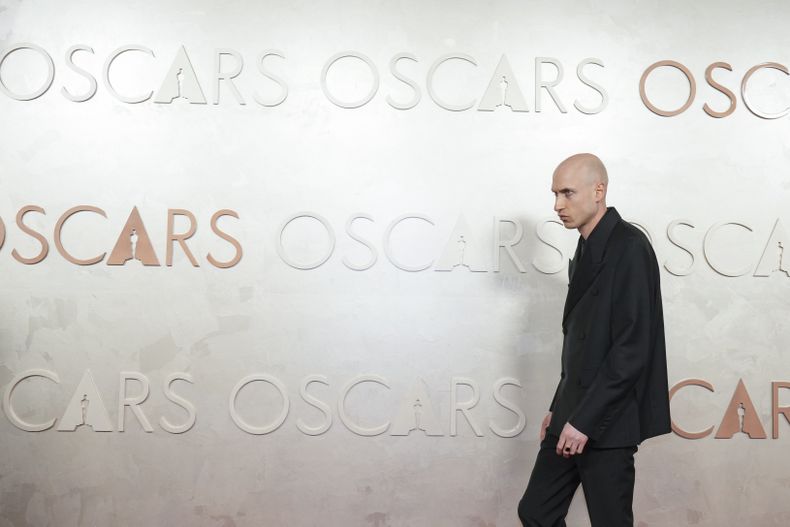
[[629, 241]]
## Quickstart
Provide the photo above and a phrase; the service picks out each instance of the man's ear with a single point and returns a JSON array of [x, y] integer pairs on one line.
[[600, 188]]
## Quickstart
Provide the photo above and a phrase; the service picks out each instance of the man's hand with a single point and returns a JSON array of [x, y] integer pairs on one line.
[[571, 441], [544, 425]]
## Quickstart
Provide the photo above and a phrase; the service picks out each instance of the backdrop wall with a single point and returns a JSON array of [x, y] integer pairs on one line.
[[364, 326]]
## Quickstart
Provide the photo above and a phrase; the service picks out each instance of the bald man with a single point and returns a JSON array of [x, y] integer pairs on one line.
[[612, 393]]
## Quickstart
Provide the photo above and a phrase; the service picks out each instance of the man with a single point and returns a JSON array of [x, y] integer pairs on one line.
[[612, 393]]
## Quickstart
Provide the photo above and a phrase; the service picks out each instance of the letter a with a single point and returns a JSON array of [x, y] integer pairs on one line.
[[85, 408], [125, 250], [776, 255], [503, 90], [180, 81], [731, 422]]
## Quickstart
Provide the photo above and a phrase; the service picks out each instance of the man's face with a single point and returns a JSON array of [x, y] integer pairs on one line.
[[575, 196]]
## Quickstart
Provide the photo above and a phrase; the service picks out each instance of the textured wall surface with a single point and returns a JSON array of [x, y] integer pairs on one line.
[[443, 337]]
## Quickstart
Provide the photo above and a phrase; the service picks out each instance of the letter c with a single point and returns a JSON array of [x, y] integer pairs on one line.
[[8, 406], [106, 74], [341, 407], [59, 227], [388, 249], [675, 428], [432, 92], [744, 84], [706, 244]]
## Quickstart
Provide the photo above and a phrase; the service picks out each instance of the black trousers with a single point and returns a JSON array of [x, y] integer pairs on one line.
[[607, 478]]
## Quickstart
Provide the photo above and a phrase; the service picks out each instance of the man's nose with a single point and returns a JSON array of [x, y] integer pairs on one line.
[[558, 205]]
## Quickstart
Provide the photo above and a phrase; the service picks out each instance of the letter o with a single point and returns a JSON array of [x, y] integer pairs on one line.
[[258, 430], [689, 77], [373, 89], [44, 87], [311, 265]]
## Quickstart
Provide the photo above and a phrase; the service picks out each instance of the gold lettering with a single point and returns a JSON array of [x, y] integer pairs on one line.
[[216, 263], [141, 249], [675, 428], [59, 227], [44, 245], [180, 238], [689, 77], [741, 416], [715, 85], [775, 408]]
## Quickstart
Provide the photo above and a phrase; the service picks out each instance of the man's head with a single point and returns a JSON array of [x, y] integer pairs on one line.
[[579, 185]]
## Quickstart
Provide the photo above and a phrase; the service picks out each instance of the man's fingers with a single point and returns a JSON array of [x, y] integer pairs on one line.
[[579, 445], [543, 426], [565, 447], [561, 445], [570, 442]]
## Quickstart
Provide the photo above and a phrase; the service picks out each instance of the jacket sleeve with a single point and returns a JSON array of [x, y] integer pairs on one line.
[[630, 327], [554, 399]]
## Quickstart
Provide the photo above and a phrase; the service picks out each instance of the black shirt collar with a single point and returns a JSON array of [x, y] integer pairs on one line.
[[596, 241]]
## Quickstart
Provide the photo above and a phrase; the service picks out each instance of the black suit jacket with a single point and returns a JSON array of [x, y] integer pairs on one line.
[[613, 385]]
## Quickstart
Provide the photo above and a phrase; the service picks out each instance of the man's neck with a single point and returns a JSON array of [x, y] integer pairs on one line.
[[588, 227]]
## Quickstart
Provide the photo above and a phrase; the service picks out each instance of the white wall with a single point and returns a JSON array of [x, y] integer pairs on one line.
[[423, 328]]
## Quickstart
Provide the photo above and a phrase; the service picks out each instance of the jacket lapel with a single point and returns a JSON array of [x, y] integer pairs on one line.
[[583, 273], [583, 276]]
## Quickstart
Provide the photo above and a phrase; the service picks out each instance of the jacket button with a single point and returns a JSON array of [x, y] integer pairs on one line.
[[579, 383], [595, 292], [582, 336]]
